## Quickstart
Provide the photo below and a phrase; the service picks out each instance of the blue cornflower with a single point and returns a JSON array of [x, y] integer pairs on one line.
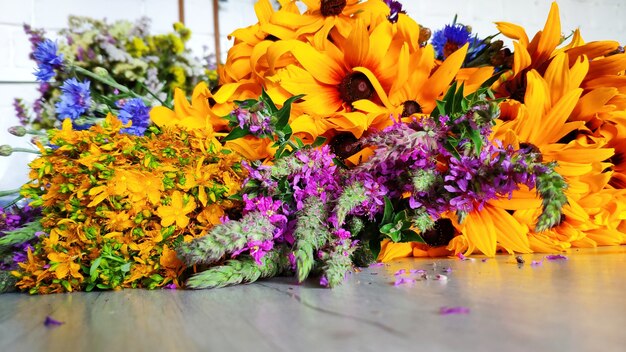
[[47, 60], [453, 36], [75, 100], [136, 111]]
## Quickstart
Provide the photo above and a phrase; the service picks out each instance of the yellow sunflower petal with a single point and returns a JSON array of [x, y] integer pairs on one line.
[[514, 32]]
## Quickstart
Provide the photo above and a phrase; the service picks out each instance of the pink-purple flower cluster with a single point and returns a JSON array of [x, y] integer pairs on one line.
[[254, 120]]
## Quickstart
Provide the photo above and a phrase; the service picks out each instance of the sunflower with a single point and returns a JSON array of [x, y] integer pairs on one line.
[[418, 86], [333, 78]]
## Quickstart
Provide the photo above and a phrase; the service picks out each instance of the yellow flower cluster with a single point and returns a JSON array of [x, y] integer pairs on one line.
[[115, 205]]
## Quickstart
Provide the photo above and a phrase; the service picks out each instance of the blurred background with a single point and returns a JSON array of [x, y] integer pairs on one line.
[[597, 19]]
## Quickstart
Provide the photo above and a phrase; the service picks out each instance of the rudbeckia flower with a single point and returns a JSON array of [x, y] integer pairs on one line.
[[353, 69]]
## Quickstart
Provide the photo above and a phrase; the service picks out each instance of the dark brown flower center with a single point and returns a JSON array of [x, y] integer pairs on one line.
[[355, 86], [411, 107], [440, 234], [449, 48], [344, 145], [332, 7]]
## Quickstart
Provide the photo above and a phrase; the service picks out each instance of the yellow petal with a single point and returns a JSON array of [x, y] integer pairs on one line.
[[514, 32], [390, 251], [481, 232]]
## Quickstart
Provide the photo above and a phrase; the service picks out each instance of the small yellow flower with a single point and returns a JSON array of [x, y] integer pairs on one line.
[[177, 211], [63, 265]]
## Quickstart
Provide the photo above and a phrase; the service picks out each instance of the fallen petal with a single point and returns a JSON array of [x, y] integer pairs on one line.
[[556, 257], [52, 322], [453, 310]]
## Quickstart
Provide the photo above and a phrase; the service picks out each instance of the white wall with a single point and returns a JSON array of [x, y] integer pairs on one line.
[[598, 19]]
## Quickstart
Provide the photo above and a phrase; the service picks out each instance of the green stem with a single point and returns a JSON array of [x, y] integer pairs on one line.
[[24, 150], [9, 192], [104, 80], [36, 133], [155, 96]]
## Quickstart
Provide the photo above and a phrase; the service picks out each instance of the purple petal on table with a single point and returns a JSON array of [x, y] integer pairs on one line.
[[52, 322], [556, 257], [453, 310], [402, 281]]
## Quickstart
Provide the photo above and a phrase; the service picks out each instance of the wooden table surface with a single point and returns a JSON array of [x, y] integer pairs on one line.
[[578, 304]]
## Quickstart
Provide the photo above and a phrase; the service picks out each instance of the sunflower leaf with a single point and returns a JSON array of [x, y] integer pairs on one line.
[[265, 98], [283, 114], [236, 133]]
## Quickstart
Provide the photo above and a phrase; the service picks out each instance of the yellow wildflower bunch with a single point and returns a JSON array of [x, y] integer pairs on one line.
[[115, 205]]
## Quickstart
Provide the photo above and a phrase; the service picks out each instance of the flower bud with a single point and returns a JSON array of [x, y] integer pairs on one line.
[[101, 71], [6, 150], [19, 131]]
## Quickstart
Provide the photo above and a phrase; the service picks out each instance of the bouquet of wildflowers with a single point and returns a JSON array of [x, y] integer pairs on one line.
[[149, 65], [338, 136]]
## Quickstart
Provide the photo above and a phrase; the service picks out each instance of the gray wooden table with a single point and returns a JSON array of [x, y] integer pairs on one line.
[[577, 304]]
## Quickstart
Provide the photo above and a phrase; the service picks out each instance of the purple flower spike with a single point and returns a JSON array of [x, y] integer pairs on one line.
[[453, 310], [52, 322], [400, 272]]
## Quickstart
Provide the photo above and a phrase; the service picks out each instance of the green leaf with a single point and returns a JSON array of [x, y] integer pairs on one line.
[[318, 142], [236, 133], [474, 135], [488, 83], [388, 212], [411, 236], [125, 268], [375, 247], [283, 114], [340, 163], [265, 98], [93, 270]]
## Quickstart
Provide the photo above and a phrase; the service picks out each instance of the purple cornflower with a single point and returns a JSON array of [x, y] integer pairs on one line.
[[256, 122], [75, 100], [136, 111], [395, 8], [47, 60]]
